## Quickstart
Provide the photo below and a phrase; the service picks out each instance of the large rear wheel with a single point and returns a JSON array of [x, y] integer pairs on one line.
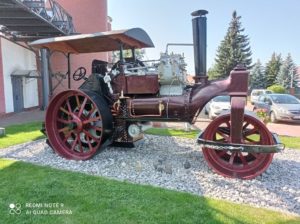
[[78, 123], [237, 164]]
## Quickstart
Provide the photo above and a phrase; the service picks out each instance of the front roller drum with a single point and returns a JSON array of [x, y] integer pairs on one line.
[[237, 164], [78, 123]]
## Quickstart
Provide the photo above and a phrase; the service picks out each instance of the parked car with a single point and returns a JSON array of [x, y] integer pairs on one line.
[[217, 105], [255, 93], [280, 107]]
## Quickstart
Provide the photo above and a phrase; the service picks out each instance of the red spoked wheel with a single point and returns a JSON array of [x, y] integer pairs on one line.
[[238, 164], [77, 123]]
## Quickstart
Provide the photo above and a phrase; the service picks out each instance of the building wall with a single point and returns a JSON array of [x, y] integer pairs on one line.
[[2, 97], [15, 57], [89, 16]]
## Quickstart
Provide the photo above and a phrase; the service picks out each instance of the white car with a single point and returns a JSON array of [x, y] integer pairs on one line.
[[256, 93], [217, 105]]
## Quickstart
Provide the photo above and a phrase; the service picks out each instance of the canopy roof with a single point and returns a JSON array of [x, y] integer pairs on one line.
[[96, 42]]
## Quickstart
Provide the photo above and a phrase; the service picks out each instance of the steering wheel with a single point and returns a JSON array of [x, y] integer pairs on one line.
[[79, 74]]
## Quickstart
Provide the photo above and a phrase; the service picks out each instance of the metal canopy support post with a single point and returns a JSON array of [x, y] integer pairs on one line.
[[121, 53], [45, 76], [133, 53], [69, 70]]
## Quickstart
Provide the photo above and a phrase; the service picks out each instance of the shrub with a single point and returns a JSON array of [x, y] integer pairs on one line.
[[277, 88], [263, 115]]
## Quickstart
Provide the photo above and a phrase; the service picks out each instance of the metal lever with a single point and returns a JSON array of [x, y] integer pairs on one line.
[[107, 80]]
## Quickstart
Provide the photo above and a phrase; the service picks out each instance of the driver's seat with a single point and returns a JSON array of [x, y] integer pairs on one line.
[[99, 67]]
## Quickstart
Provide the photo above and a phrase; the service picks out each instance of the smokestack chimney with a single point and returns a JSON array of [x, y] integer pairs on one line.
[[199, 38]]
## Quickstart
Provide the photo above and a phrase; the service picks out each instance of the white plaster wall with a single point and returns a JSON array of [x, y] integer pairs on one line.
[[15, 57]]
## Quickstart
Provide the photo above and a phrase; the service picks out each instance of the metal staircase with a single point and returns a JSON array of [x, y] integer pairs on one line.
[[27, 20]]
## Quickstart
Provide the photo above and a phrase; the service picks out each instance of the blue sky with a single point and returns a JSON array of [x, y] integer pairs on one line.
[[272, 26]]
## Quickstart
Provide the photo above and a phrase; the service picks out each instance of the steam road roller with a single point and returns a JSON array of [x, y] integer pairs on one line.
[[117, 102]]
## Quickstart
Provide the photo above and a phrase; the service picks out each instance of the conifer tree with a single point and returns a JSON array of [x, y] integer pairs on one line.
[[287, 73], [234, 49], [212, 73], [257, 76], [272, 69]]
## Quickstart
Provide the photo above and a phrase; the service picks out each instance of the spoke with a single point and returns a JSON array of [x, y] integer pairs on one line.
[[67, 136], [64, 121], [223, 135], [65, 111], [69, 106], [250, 140], [243, 159], [90, 135], [74, 143], [82, 107], [232, 156], [224, 130], [89, 143], [222, 153], [96, 128], [227, 124], [251, 132], [91, 120], [92, 111], [254, 155], [64, 129], [80, 145], [77, 101], [246, 125]]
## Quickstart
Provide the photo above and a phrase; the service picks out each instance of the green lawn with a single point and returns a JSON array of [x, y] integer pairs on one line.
[[173, 132], [290, 142], [93, 199], [17, 134]]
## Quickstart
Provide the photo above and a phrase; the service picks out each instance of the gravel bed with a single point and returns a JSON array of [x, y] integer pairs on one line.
[[178, 163]]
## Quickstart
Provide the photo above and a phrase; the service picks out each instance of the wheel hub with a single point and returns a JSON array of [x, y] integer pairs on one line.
[[77, 124]]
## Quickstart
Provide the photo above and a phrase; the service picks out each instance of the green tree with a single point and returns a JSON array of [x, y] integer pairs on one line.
[[212, 72], [234, 49], [257, 76], [272, 69], [277, 89], [287, 74]]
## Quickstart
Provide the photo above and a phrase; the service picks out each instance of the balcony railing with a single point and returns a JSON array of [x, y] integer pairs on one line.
[[54, 13]]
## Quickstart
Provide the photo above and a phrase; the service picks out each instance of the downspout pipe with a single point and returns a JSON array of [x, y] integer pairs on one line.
[[45, 77]]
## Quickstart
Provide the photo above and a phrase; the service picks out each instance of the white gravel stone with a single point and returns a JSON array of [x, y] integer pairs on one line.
[[278, 188]]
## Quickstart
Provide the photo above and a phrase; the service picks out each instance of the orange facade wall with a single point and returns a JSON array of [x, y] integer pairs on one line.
[[89, 16]]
